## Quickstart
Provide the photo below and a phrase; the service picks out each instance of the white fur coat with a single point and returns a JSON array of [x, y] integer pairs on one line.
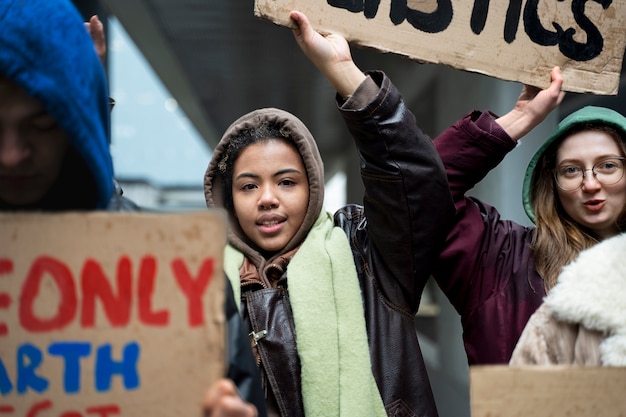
[[583, 318]]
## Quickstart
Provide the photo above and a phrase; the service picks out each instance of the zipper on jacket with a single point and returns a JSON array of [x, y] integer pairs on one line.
[[256, 336]]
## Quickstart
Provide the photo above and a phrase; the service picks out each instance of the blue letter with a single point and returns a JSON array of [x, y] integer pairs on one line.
[[28, 360], [5, 382], [71, 352], [106, 367]]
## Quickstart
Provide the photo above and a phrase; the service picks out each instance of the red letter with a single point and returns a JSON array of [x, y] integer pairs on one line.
[[147, 272], [6, 409], [193, 288], [95, 284], [104, 410], [6, 267], [42, 405], [67, 304]]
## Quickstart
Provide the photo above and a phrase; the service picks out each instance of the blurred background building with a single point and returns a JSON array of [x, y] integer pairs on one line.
[[182, 70]]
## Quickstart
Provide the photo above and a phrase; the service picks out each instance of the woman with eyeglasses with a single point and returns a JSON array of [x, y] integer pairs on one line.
[[582, 321], [496, 272]]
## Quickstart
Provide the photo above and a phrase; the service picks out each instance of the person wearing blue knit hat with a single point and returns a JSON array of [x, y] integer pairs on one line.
[[54, 112], [54, 145], [496, 272]]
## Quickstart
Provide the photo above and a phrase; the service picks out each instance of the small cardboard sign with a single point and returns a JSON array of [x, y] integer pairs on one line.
[[547, 391], [511, 40], [110, 314]]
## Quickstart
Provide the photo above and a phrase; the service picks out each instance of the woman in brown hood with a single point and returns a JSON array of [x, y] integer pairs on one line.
[[330, 300]]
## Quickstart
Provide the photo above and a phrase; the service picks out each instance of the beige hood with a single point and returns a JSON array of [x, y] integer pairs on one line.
[[305, 143]]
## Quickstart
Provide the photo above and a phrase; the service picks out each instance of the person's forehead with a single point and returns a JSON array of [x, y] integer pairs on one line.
[[587, 143]]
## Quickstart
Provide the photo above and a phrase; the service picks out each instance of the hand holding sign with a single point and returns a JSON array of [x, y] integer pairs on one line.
[[223, 400], [532, 107], [330, 54]]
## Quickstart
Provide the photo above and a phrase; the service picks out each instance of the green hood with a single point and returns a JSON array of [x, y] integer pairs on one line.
[[589, 114]]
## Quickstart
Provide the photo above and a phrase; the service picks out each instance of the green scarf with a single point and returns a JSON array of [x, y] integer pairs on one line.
[[328, 314]]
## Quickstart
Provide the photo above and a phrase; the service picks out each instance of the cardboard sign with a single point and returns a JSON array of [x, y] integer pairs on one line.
[[512, 40], [539, 391], [110, 314]]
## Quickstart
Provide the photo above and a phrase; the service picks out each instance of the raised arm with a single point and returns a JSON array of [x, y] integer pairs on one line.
[[479, 266], [407, 201], [330, 54]]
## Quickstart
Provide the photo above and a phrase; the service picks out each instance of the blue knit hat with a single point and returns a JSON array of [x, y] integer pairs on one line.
[[46, 50], [589, 114]]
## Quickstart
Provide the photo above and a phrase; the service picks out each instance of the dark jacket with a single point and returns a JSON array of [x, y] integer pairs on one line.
[[486, 269], [395, 238]]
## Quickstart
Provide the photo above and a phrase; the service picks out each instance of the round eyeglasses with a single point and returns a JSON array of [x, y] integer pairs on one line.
[[571, 177]]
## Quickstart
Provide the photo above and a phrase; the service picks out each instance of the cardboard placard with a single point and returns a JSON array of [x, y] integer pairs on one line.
[[547, 391], [511, 40], [110, 314]]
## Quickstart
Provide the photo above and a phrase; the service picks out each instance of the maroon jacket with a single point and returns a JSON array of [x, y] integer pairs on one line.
[[487, 269]]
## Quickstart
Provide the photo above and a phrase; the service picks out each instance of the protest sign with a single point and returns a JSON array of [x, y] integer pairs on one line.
[[511, 40], [547, 391], [106, 314]]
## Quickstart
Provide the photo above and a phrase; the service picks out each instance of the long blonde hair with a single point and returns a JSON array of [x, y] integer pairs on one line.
[[558, 239]]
